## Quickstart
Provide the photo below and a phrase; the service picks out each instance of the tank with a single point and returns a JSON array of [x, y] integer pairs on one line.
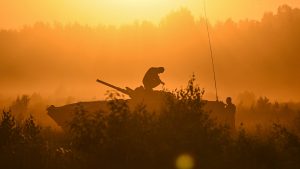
[[153, 100]]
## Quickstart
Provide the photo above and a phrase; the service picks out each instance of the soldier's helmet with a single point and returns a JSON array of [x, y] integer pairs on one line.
[[228, 100], [161, 69]]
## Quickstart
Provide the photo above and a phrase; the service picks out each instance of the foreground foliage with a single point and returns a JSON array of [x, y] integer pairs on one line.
[[140, 139]]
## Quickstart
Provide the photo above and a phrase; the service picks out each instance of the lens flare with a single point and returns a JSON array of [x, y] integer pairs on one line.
[[185, 161]]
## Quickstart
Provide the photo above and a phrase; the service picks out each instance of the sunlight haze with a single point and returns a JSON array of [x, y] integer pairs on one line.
[[62, 46], [149, 84], [16, 13]]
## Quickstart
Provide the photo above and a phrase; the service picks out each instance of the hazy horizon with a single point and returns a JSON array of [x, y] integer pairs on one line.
[[16, 13]]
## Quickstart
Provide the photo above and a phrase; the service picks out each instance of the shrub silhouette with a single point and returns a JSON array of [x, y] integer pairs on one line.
[[21, 145], [19, 108], [126, 138]]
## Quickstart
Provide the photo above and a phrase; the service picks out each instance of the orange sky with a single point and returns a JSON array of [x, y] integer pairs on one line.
[[42, 58], [15, 13]]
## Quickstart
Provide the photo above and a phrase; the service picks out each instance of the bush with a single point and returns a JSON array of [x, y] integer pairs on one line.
[[20, 144], [136, 138]]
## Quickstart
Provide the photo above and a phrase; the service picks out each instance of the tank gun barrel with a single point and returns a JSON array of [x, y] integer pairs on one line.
[[127, 92]]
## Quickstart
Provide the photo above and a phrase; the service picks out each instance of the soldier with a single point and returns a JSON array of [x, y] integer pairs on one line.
[[151, 78], [230, 112]]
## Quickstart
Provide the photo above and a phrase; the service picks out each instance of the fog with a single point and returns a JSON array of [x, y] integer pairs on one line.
[[256, 63], [63, 61]]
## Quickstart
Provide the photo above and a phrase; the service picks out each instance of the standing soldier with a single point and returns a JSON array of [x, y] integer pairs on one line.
[[230, 112], [151, 78]]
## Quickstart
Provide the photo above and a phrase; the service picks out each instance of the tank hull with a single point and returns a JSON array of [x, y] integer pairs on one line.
[[64, 114]]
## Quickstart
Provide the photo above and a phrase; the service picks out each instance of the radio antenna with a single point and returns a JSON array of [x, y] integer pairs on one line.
[[211, 52]]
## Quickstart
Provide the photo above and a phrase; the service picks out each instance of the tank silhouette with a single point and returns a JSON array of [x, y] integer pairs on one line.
[[154, 101]]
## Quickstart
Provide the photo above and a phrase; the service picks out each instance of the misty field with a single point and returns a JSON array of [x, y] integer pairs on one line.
[[183, 136]]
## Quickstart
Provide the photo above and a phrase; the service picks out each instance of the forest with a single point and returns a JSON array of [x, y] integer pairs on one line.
[[59, 60]]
